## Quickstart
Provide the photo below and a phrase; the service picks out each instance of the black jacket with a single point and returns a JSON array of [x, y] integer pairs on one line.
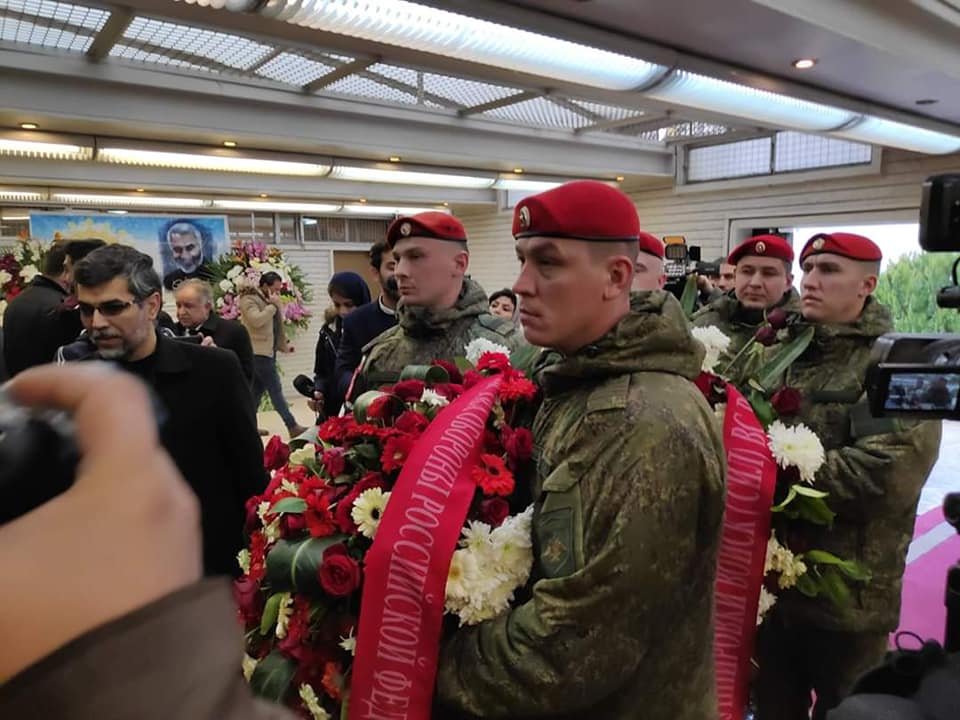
[[229, 335], [210, 431], [359, 327], [36, 323], [324, 365]]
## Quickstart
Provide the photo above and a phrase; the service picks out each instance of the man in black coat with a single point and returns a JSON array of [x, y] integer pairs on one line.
[[370, 320], [207, 420], [195, 316]]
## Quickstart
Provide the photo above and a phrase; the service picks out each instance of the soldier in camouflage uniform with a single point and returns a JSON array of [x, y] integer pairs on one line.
[[763, 281], [440, 311], [874, 471], [629, 490]]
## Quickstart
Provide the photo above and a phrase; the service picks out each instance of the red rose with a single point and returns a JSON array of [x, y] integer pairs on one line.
[[339, 574], [335, 462], [786, 401], [383, 407], [292, 524], [395, 452], [493, 362], [518, 444], [249, 600], [453, 372], [711, 386], [319, 519], [494, 511], [492, 476], [408, 390], [412, 423], [471, 378], [276, 454], [777, 318], [766, 336]]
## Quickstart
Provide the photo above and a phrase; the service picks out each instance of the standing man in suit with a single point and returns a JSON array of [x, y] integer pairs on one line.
[[208, 425], [195, 316]]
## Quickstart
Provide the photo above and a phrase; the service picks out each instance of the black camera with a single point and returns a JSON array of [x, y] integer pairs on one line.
[[679, 261], [919, 375]]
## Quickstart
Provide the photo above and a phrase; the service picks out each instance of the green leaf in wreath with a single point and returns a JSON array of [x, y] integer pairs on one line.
[[791, 496], [762, 407], [855, 571], [430, 374], [821, 557], [688, 299], [292, 505], [293, 565], [807, 585], [272, 677], [270, 612], [772, 371], [810, 492], [814, 510], [835, 588]]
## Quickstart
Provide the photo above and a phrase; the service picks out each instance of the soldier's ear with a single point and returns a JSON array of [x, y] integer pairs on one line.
[[619, 274]]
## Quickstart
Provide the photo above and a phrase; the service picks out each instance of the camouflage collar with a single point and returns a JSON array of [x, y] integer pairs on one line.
[[418, 321]]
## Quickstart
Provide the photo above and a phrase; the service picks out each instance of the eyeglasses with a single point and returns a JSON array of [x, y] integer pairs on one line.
[[110, 308]]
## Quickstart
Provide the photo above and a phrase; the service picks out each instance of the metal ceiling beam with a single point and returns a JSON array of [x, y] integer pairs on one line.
[[346, 70], [501, 103], [113, 30], [657, 120], [574, 108], [418, 93], [265, 59]]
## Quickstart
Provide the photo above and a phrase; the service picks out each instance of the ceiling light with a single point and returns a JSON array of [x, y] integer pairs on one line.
[[909, 137], [507, 183], [128, 200], [293, 207], [363, 200], [38, 149], [117, 212], [518, 170], [446, 204], [409, 177], [386, 210], [767, 108], [140, 190], [197, 161], [804, 63], [263, 195], [28, 126], [620, 178], [428, 29], [22, 196], [394, 158], [229, 143], [15, 217]]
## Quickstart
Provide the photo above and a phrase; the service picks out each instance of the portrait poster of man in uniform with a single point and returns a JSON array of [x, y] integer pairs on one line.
[[186, 246]]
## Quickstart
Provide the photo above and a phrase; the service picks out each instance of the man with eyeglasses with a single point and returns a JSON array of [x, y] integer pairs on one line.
[[207, 421]]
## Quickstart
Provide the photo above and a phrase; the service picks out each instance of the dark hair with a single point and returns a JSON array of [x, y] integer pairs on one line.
[[351, 286], [53, 260], [269, 278], [113, 261], [509, 294], [77, 250], [376, 254]]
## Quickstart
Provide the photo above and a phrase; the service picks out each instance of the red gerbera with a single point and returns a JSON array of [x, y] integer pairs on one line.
[[334, 429], [333, 680], [293, 645], [492, 476], [493, 362], [334, 461], [395, 452], [319, 519]]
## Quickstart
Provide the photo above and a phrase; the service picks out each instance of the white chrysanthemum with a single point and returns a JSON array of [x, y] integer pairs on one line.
[[5, 277], [513, 545], [463, 568], [433, 398], [714, 342], [478, 346], [307, 453], [248, 664], [29, 272], [781, 560], [226, 286], [312, 703], [234, 271], [476, 536], [349, 643], [798, 446], [243, 560], [368, 509], [284, 613], [767, 601]]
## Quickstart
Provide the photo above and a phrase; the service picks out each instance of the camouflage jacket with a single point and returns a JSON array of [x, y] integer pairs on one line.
[[423, 335], [736, 321], [874, 470], [630, 473]]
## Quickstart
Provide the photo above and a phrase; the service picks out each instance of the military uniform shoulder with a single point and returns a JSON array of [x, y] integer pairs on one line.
[[613, 394], [715, 311], [496, 324]]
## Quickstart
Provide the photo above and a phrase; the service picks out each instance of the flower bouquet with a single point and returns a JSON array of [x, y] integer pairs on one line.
[[239, 271], [410, 505], [18, 267]]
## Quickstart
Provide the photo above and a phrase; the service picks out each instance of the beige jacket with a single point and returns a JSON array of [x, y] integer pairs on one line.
[[260, 319]]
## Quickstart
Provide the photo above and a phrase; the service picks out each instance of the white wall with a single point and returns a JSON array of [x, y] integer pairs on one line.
[[715, 215]]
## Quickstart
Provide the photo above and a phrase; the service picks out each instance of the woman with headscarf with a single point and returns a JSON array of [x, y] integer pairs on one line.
[[347, 292]]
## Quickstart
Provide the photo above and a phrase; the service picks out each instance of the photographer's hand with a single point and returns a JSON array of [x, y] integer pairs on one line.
[[126, 534]]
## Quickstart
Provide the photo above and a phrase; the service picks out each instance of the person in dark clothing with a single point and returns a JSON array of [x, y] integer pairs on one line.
[[208, 424], [43, 317], [370, 320], [196, 317], [348, 292]]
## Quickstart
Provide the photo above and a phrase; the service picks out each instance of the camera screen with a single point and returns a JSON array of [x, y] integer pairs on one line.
[[923, 391]]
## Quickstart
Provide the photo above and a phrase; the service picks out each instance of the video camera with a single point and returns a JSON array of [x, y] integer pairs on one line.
[[680, 261]]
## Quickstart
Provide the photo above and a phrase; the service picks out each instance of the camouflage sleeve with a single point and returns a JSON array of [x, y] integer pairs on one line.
[[593, 625], [704, 317], [882, 451]]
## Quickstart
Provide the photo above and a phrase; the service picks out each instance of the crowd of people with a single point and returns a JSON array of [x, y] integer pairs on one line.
[[629, 485]]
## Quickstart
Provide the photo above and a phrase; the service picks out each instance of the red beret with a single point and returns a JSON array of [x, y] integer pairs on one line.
[[580, 210], [771, 246], [651, 244], [855, 247], [426, 224]]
